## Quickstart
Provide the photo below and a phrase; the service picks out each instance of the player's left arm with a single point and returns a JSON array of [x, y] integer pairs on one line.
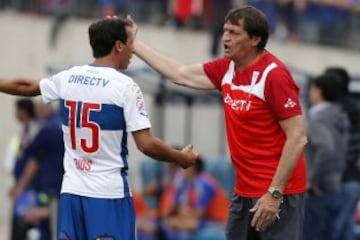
[[282, 94], [296, 140], [267, 207], [20, 86]]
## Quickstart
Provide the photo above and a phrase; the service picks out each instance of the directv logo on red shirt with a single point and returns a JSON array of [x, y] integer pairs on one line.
[[237, 105]]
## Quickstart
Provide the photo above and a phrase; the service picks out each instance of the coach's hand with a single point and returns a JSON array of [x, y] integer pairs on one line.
[[190, 157], [266, 212]]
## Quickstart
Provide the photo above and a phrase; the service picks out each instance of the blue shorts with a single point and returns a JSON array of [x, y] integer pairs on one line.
[[86, 218]]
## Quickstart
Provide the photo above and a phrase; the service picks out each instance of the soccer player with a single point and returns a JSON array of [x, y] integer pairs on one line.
[[99, 106], [264, 125]]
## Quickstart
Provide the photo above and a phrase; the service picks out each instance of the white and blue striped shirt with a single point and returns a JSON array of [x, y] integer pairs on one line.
[[99, 106]]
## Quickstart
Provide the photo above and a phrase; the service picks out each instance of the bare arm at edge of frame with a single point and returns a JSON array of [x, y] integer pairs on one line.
[[20, 86]]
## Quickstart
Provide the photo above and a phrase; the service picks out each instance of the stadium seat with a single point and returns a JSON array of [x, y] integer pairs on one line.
[[221, 168], [151, 171]]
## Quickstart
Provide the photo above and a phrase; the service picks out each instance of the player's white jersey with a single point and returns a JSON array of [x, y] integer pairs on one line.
[[98, 105]]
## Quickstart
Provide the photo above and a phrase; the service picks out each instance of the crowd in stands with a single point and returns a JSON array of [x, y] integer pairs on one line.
[[328, 22], [184, 203]]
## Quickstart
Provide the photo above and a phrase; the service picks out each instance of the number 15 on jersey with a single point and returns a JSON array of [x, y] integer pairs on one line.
[[83, 121]]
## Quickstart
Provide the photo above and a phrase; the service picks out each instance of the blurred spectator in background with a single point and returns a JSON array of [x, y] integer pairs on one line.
[[162, 11], [345, 224], [269, 9], [47, 150], [60, 11], [145, 220], [325, 22], [328, 131], [196, 13], [27, 6], [354, 39], [160, 181], [150, 11], [157, 178], [113, 7], [172, 180], [3, 3], [288, 17], [219, 9], [200, 202], [329, 22], [43, 169], [25, 114]]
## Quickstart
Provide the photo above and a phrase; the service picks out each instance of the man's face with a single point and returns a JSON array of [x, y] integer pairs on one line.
[[127, 51], [315, 95], [236, 40], [21, 115]]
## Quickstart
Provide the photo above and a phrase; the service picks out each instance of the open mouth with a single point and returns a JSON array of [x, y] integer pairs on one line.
[[226, 47]]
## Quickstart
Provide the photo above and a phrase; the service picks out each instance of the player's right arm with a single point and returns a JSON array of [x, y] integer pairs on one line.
[[157, 149], [192, 76], [20, 86]]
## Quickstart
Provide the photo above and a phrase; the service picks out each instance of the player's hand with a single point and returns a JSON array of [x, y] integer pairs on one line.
[[134, 27], [190, 157], [266, 212]]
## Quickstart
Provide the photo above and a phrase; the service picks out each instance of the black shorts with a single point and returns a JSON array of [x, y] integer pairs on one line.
[[289, 226]]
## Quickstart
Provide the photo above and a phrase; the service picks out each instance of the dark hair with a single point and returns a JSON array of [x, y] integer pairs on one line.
[[330, 86], [104, 33], [343, 76], [255, 22], [26, 105]]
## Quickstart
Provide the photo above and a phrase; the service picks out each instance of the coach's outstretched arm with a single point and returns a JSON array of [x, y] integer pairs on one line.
[[157, 149], [20, 86], [187, 75]]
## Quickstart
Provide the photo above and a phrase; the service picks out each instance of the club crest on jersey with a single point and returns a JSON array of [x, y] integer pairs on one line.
[[140, 105], [237, 104], [290, 103]]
